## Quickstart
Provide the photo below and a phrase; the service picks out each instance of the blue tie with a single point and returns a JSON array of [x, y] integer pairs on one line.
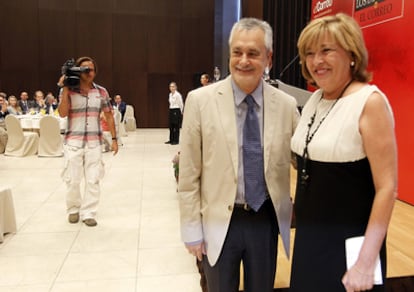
[[254, 181]]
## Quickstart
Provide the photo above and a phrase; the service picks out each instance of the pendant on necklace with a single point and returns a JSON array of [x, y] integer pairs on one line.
[[304, 176]]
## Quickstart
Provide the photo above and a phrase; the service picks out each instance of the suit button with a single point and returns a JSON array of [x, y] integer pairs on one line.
[[230, 208]]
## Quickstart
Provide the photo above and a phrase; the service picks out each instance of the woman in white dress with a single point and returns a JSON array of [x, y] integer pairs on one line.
[[347, 162]]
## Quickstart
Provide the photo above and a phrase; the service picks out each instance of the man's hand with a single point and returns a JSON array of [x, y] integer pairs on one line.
[[196, 250], [114, 146], [60, 82]]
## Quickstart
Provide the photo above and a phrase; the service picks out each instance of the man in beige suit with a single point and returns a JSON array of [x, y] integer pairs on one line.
[[217, 224]]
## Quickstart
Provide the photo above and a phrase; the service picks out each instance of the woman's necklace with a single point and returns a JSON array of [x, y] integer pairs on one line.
[[304, 176]]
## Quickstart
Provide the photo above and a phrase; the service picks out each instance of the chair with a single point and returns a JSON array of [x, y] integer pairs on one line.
[[50, 141], [19, 143], [121, 128], [7, 215], [3, 139], [129, 119], [117, 121]]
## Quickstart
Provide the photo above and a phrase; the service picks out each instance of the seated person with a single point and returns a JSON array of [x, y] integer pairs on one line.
[[13, 107], [39, 102], [3, 139], [3, 108], [51, 104], [204, 79], [24, 102], [120, 105]]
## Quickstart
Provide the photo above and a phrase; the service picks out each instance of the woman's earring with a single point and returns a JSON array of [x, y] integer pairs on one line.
[[352, 64]]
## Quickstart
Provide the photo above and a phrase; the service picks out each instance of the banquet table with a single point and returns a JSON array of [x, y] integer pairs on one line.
[[32, 122], [7, 216]]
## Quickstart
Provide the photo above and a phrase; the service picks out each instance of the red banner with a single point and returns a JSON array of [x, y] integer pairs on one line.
[[329, 7], [371, 12], [366, 12]]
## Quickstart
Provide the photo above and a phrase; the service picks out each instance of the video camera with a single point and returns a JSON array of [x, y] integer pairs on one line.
[[72, 73]]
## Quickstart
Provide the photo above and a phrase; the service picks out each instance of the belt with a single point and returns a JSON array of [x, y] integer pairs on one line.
[[244, 206]]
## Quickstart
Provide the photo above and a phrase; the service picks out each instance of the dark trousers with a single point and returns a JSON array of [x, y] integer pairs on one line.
[[203, 280], [174, 120], [252, 239]]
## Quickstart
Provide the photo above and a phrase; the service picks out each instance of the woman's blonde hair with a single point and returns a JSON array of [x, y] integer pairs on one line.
[[346, 32]]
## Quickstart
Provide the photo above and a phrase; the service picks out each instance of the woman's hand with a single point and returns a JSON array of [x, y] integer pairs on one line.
[[358, 280]]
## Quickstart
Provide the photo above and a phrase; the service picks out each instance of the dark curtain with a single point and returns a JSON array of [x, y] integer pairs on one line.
[[288, 18]]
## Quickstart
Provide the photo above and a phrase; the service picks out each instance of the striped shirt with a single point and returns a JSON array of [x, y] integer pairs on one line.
[[84, 117]]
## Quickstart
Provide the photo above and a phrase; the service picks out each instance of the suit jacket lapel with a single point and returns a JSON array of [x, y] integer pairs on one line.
[[269, 123], [225, 107]]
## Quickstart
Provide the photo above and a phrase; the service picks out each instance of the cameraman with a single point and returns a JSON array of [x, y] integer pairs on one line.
[[82, 103]]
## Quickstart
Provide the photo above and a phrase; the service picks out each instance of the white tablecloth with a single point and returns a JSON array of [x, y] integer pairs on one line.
[[32, 122], [7, 216]]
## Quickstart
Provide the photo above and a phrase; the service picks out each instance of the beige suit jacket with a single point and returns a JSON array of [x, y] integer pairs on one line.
[[209, 162]]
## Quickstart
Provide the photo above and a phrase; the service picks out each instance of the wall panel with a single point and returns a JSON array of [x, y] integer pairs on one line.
[[57, 40], [164, 44], [165, 8], [94, 36], [139, 45], [133, 7], [157, 100], [19, 51]]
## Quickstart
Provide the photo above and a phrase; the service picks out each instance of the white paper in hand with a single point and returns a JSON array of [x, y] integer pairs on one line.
[[352, 247]]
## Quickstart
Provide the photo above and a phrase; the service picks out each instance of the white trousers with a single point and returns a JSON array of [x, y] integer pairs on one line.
[[83, 163]]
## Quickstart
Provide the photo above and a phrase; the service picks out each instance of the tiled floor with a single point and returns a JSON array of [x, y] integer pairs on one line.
[[136, 245]]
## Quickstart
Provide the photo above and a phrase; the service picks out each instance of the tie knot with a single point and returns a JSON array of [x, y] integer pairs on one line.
[[249, 100]]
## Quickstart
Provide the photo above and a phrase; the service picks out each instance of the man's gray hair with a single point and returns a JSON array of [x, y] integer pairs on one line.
[[250, 23]]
